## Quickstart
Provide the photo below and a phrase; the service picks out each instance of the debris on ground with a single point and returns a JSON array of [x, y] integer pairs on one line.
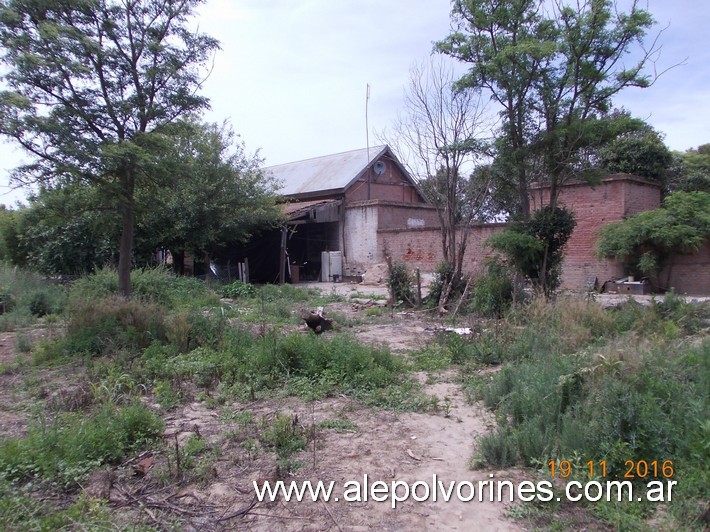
[[316, 321]]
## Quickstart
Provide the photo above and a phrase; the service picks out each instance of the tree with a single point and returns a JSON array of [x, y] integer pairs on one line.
[[64, 230], [90, 80], [439, 137], [691, 171], [10, 248], [641, 153], [648, 242], [534, 247], [553, 72], [218, 195]]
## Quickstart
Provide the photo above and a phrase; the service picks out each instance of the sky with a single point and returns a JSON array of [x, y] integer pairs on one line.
[[292, 75]]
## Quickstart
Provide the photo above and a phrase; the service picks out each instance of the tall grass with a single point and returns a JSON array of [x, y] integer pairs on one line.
[[68, 448], [633, 384], [302, 364], [156, 285], [26, 296]]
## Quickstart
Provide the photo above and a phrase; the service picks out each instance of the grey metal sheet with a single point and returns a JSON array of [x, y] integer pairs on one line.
[[327, 173]]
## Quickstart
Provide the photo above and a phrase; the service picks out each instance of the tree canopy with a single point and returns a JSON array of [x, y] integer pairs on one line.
[[641, 153], [691, 170], [552, 68], [648, 242], [89, 81], [218, 194], [535, 247]]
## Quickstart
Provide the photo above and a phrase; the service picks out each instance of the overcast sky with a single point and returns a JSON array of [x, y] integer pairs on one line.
[[291, 76]]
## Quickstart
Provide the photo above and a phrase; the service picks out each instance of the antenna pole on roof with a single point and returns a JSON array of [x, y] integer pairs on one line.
[[367, 136]]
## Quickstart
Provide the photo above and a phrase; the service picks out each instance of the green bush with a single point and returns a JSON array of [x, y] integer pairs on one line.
[[239, 289], [306, 365], [400, 283], [69, 448], [39, 305], [155, 285], [284, 435], [492, 293], [24, 296], [21, 511], [631, 397], [109, 325], [444, 273]]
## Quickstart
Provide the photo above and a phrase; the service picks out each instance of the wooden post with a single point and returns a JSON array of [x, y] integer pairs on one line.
[[282, 256], [208, 279], [419, 288]]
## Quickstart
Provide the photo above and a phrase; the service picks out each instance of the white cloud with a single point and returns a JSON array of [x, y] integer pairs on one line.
[[291, 76]]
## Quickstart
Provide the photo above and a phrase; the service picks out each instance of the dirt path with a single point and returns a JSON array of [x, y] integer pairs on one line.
[[446, 445], [386, 446]]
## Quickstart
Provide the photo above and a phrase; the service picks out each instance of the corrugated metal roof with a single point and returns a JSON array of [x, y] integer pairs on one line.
[[327, 173], [297, 208]]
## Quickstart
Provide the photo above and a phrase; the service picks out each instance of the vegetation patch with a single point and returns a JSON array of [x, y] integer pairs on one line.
[[588, 387], [67, 449]]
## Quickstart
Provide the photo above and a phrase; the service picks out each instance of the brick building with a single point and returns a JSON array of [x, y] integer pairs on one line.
[[359, 206], [336, 205]]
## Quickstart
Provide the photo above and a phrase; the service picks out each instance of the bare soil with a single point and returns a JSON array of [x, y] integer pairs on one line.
[[384, 445]]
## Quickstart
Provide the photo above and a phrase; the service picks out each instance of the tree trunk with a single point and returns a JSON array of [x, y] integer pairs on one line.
[[444, 297], [178, 262], [125, 250]]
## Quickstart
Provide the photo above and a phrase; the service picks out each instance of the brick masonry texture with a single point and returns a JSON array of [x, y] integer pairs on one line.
[[615, 198]]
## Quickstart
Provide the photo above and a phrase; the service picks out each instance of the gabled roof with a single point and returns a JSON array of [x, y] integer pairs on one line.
[[328, 174]]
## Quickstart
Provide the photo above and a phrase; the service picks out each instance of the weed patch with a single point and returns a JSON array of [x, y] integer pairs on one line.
[[589, 386], [66, 450], [154, 285], [26, 296]]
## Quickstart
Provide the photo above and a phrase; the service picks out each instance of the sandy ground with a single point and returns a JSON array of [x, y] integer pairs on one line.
[[386, 446]]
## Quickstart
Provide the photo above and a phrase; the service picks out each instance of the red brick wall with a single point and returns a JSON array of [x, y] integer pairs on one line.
[[615, 198], [421, 248], [392, 185], [689, 274]]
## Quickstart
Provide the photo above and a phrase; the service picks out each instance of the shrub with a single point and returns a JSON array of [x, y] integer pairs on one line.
[[492, 293], [535, 247], [400, 283], [21, 511], [109, 325], [70, 447], [24, 296], [633, 397], [444, 273], [284, 435], [239, 289], [154, 285], [39, 305]]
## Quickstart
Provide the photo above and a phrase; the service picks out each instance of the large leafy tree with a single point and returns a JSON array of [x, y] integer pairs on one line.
[[64, 230], [641, 153], [219, 195], [552, 68], [89, 81], [691, 171]]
